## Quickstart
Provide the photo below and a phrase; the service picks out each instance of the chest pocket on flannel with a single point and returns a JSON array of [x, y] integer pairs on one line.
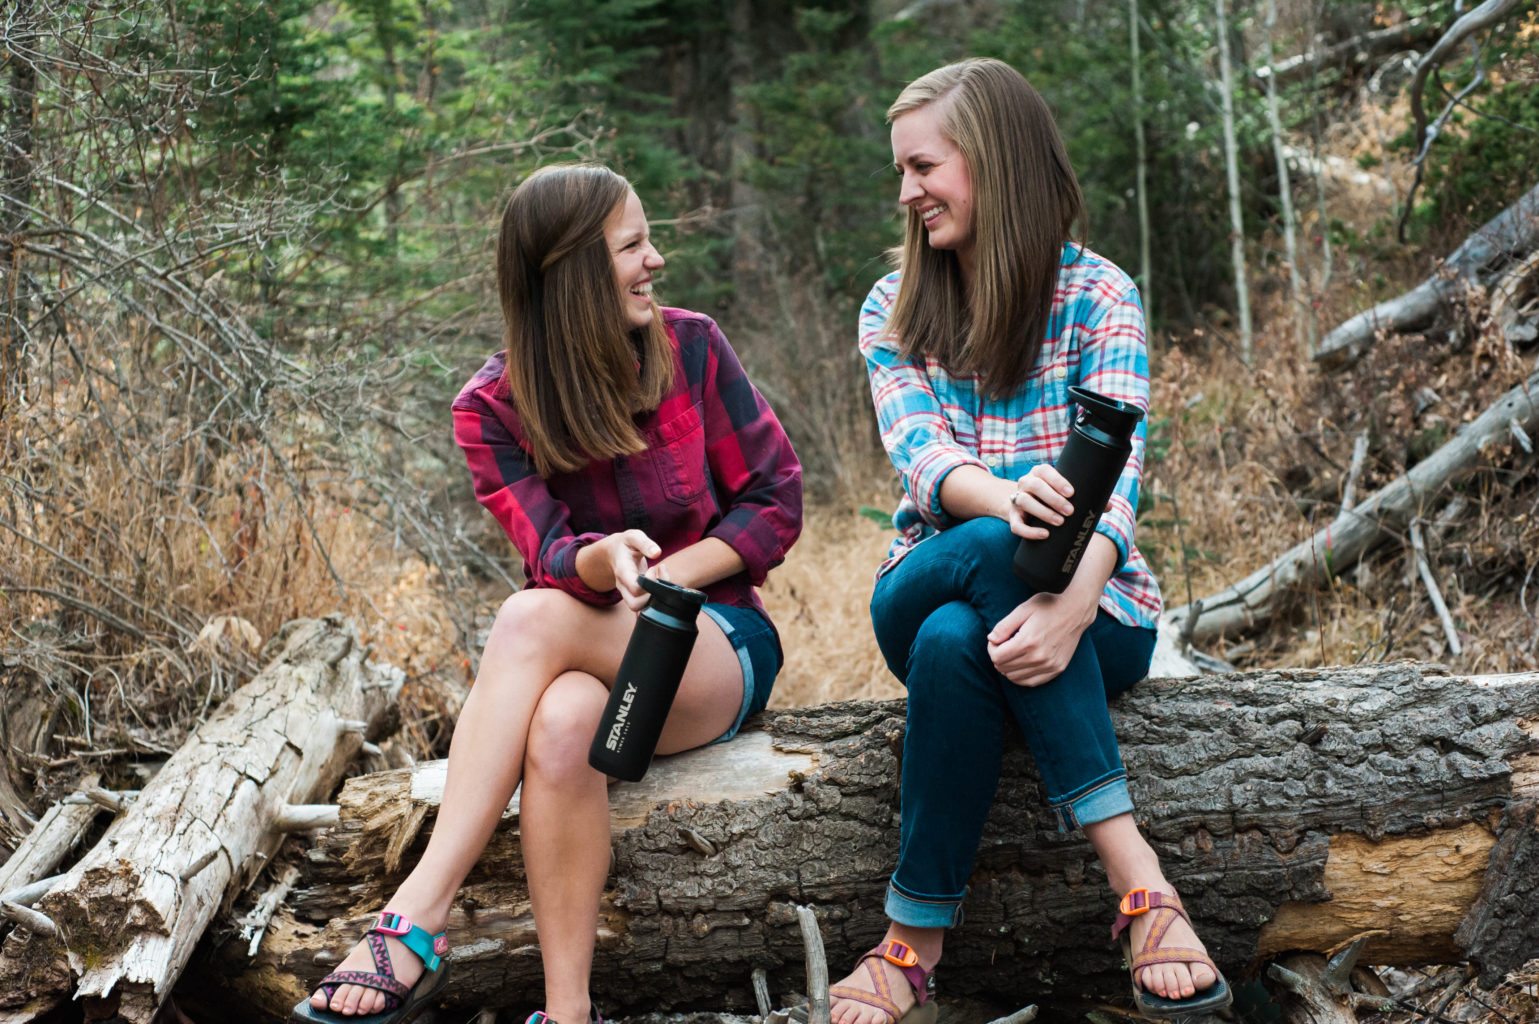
[[679, 457]]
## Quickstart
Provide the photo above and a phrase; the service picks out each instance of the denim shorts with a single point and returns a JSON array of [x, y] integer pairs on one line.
[[757, 644]]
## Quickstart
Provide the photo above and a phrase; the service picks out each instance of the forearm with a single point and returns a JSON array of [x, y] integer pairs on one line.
[[703, 563], [594, 566], [970, 492], [1089, 582]]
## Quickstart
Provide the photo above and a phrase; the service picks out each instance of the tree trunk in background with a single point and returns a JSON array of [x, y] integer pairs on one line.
[[743, 201], [1294, 809], [1303, 320], [18, 115], [1232, 169], [1141, 186]]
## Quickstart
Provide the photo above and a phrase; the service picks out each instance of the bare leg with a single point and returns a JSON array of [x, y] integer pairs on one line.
[[564, 809], [539, 636], [1131, 864]]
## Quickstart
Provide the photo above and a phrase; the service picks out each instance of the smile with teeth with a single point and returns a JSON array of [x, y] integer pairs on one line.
[[935, 211], [643, 291]]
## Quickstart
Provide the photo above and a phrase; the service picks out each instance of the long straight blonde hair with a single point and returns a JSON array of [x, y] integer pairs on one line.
[[578, 373], [1025, 202]]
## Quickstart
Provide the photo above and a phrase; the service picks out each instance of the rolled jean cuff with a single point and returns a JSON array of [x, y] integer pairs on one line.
[[1107, 800], [922, 913]]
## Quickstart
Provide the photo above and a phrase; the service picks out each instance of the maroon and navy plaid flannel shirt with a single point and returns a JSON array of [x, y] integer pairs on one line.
[[718, 465]]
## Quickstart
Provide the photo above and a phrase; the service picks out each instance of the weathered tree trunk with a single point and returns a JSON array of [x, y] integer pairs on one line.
[[18, 117], [132, 909], [1357, 530], [1293, 809], [1232, 174], [1514, 231]]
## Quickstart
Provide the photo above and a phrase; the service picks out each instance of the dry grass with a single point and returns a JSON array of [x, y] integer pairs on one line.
[[819, 600]]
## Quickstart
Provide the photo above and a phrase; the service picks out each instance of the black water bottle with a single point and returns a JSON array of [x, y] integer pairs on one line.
[[1092, 459], [649, 677]]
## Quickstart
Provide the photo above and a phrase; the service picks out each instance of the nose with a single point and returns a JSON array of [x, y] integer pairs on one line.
[[653, 259], [909, 191]]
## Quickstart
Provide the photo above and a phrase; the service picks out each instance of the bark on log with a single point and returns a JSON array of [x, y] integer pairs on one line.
[[1513, 232], [133, 908], [1295, 810], [1357, 530]]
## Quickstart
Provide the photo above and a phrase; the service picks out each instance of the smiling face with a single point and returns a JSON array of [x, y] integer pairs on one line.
[[936, 184], [635, 259]]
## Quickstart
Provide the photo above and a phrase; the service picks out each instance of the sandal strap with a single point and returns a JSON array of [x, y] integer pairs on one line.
[[1139, 902], [902, 956], [394, 992], [424, 945], [1172, 955]]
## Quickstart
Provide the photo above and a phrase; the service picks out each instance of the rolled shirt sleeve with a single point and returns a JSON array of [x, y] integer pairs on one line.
[[506, 483], [910, 416]]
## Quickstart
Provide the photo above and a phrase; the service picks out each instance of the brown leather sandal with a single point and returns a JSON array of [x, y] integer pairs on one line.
[[920, 981], [1167, 907]]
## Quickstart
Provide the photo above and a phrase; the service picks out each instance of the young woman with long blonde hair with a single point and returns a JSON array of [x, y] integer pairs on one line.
[[970, 347]]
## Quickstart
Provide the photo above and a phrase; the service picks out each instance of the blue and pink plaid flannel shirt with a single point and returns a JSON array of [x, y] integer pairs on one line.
[[718, 465], [932, 422]]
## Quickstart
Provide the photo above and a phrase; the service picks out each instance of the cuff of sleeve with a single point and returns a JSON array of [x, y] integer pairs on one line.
[[561, 573], [755, 542], [930, 471], [1115, 528]]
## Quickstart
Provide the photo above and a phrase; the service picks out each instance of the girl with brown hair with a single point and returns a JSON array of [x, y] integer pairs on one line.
[[971, 347], [612, 439]]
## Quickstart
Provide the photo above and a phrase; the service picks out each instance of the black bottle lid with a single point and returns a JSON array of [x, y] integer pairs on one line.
[[1112, 418], [673, 600]]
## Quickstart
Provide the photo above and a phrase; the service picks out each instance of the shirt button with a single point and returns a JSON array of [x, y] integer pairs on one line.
[[1060, 371], [992, 460]]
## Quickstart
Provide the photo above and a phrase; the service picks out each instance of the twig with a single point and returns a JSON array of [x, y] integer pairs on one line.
[[39, 923], [254, 925], [307, 817], [1359, 456], [1025, 1015], [1430, 581], [817, 967], [761, 992]]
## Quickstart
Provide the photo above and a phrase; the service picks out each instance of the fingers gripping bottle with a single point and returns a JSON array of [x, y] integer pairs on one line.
[[1099, 444], [649, 677]]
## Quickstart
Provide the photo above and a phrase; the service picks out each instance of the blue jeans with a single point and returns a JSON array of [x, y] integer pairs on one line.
[[932, 614]]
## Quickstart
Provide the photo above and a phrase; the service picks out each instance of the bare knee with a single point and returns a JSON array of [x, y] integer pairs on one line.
[[562, 729]]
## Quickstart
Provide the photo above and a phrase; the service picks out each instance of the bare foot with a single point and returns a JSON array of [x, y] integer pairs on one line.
[[358, 1000], [893, 987], [1180, 980]]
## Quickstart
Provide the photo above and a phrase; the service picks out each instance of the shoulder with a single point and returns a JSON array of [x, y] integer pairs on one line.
[[1091, 281], [487, 388], [686, 323], [882, 294], [875, 310]]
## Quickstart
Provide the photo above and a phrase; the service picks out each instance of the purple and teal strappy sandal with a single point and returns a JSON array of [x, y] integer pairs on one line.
[[402, 1002]]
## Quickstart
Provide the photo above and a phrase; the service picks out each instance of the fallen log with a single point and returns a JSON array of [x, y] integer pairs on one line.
[[1512, 233], [1351, 54], [130, 912], [1357, 530], [1295, 810]]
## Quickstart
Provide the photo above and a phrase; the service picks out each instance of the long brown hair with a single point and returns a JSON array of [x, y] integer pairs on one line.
[[1025, 202], [577, 372]]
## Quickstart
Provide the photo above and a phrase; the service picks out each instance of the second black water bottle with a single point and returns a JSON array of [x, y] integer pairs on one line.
[[1092, 459], [650, 672]]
